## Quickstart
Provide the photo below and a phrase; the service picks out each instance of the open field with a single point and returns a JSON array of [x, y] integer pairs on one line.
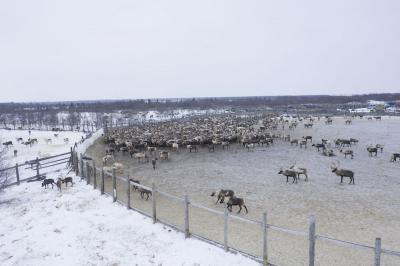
[[357, 213]]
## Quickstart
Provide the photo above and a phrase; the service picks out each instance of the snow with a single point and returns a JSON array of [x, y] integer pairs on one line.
[[79, 227]]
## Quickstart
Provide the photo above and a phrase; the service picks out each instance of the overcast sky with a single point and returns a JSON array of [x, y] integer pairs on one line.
[[79, 50]]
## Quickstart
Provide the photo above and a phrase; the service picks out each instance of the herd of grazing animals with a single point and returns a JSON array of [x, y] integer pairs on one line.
[[158, 141]]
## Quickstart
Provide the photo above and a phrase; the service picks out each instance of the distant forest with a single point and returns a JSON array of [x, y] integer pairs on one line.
[[195, 103]]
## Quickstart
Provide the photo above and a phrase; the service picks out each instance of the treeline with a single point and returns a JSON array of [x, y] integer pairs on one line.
[[195, 103]]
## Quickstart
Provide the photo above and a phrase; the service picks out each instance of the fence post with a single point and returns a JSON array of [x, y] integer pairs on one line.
[[311, 238], [265, 246], [102, 182], [87, 173], [94, 176], [114, 181], [37, 167], [128, 194], [17, 173], [81, 172], [72, 159], [187, 234], [153, 189], [226, 229], [76, 164], [378, 245]]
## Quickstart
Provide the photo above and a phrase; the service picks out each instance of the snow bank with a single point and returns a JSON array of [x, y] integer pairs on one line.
[[80, 227]]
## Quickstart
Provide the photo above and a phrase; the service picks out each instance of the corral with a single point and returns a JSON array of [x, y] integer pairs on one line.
[[357, 213]]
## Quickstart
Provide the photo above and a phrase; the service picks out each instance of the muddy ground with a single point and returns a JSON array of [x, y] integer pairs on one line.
[[356, 213]]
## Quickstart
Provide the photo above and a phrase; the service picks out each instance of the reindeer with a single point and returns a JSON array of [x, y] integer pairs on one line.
[[107, 158], [307, 138], [342, 173], [144, 191], [175, 146], [319, 146], [8, 143], [394, 157], [192, 147], [141, 156], [48, 182], [299, 171], [234, 201], [294, 141], [222, 194], [67, 180], [59, 183], [15, 153], [348, 122], [211, 147], [379, 146], [288, 173], [249, 146], [372, 150], [164, 155], [225, 144], [347, 152], [303, 143], [135, 187]]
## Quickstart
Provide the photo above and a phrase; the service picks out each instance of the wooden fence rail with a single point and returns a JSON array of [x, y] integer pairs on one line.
[[263, 224]]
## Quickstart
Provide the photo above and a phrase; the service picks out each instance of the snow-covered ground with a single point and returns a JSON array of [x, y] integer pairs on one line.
[[79, 227], [41, 149]]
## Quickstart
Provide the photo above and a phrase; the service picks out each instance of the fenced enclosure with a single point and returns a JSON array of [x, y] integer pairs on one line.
[[218, 228], [36, 169]]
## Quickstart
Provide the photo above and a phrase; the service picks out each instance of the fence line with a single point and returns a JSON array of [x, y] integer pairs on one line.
[[78, 166], [263, 224], [38, 164]]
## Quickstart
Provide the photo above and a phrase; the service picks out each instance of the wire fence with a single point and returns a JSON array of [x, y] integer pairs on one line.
[[217, 227]]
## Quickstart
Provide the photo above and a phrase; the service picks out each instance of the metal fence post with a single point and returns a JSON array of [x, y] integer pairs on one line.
[[94, 175], [311, 238], [378, 251], [87, 173], [102, 181], [265, 246], [153, 190], [128, 194], [226, 214], [114, 181], [187, 234], [17, 173]]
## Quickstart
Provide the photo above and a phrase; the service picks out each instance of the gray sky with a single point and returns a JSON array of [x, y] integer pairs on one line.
[[78, 50]]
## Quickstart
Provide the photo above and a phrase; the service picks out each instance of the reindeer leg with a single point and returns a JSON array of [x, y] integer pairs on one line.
[[240, 208], [341, 179]]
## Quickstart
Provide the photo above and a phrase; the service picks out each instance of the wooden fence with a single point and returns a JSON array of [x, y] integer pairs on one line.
[[88, 171], [40, 167]]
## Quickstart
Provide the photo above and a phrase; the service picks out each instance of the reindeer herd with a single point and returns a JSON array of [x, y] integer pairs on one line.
[[154, 142]]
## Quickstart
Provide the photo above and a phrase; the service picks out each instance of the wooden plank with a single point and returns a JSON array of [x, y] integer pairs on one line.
[[311, 239], [94, 175], [226, 214], [87, 173], [114, 182], [102, 182], [153, 199], [128, 194], [378, 252], [265, 240], [187, 234], [17, 173]]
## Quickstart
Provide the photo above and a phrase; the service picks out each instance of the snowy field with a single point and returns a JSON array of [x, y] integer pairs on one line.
[[41, 149], [80, 227], [357, 213]]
